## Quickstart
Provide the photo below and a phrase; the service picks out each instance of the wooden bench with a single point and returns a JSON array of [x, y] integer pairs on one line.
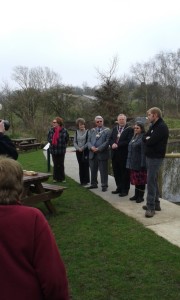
[[52, 187], [50, 192], [28, 146]]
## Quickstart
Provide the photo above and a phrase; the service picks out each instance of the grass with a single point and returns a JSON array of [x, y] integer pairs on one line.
[[172, 122], [108, 256]]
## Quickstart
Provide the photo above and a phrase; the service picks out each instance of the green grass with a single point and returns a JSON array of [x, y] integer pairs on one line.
[[172, 123], [108, 255]]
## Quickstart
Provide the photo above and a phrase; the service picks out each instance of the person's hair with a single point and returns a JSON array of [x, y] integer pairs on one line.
[[80, 121], [11, 180], [98, 117], [122, 115], [141, 125], [59, 121], [155, 110]]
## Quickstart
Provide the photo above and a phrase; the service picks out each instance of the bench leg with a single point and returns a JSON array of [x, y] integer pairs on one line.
[[50, 207]]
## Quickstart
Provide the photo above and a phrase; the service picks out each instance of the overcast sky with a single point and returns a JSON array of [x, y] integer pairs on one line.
[[74, 37]]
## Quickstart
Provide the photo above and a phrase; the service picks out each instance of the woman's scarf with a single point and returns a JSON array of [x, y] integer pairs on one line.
[[56, 135]]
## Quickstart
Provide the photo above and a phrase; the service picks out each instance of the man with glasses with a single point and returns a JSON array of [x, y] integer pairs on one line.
[[98, 144], [119, 140]]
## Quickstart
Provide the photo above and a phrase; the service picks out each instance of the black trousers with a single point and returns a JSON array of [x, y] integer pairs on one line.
[[121, 174], [83, 168], [58, 170]]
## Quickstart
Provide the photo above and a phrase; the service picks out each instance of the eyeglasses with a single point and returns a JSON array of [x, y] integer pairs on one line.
[[99, 121]]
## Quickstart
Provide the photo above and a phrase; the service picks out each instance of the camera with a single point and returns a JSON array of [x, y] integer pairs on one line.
[[6, 124]]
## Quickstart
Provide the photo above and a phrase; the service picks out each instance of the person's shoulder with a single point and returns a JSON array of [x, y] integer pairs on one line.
[[106, 129], [162, 123], [129, 127], [26, 211], [92, 130], [4, 136]]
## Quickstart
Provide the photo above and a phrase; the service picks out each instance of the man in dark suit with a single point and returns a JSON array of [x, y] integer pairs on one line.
[[119, 140], [98, 144]]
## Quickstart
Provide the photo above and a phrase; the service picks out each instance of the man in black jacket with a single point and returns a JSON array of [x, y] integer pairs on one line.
[[155, 141], [7, 147], [119, 140]]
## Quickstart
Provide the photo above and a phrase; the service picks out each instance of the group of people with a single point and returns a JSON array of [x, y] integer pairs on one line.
[[30, 260], [136, 156]]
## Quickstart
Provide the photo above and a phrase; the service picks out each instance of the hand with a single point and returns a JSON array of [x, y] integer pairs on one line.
[[2, 129], [114, 146], [94, 149]]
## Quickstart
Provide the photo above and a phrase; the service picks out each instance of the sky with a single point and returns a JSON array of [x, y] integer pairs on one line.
[[74, 38]]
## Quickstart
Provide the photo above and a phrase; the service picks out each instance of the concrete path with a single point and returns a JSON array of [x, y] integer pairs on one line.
[[165, 223]]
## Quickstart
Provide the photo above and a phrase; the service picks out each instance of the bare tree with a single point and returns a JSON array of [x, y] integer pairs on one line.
[[144, 74], [111, 93], [168, 74], [37, 78]]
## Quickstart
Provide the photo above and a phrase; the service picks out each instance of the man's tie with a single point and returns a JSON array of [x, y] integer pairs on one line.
[[120, 129]]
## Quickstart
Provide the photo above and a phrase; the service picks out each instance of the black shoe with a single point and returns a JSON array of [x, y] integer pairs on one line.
[[115, 192], [149, 213], [157, 207], [139, 200], [133, 198], [123, 194], [104, 189], [92, 187]]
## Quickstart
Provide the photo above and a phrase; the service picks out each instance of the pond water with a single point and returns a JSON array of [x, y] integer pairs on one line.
[[171, 179], [171, 175]]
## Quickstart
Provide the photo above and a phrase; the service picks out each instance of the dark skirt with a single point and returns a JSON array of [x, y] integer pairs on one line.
[[138, 177]]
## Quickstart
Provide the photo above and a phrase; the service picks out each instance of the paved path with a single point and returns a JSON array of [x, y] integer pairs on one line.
[[165, 223]]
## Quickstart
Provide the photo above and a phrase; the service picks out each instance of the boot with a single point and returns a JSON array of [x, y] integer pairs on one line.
[[141, 194], [135, 197]]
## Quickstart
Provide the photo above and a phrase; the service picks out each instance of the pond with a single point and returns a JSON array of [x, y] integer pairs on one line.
[[173, 147], [171, 179]]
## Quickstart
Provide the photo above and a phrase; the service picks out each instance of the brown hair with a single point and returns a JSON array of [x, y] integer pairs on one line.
[[59, 121], [141, 125], [80, 121], [11, 180]]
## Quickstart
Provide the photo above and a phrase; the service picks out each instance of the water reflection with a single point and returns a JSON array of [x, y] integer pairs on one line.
[[173, 147], [171, 179]]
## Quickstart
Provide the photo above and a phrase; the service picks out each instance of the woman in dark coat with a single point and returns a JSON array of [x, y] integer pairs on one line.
[[136, 162], [58, 138]]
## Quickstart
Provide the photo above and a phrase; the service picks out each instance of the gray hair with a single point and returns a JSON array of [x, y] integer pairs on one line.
[[122, 115], [98, 117]]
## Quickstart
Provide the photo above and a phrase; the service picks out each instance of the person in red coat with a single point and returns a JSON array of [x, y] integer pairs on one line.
[[31, 267]]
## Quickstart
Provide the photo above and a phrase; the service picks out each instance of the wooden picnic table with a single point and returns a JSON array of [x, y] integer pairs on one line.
[[26, 143], [35, 191]]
